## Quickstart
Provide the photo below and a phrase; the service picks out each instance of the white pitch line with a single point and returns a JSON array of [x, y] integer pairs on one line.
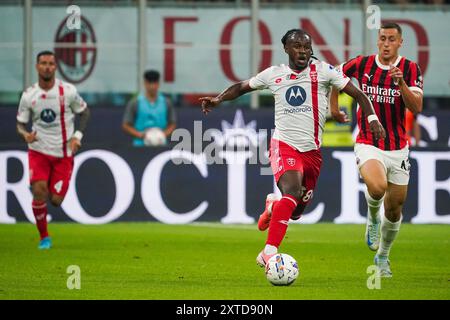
[[224, 226]]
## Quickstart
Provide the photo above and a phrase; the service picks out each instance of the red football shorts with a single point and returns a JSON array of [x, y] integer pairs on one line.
[[56, 171], [284, 158]]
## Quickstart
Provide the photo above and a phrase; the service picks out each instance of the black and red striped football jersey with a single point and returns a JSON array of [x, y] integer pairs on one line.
[[375, 81]]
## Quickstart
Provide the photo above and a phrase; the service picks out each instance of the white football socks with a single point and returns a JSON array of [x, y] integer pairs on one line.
[[269, 249], [373, 207], [389, 231], [269, 208]]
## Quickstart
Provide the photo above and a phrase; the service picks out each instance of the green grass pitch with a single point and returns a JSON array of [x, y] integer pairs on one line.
[[215, 261]]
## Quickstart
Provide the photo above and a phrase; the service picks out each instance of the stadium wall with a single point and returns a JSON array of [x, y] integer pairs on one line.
[[204, 49], [113, 181]]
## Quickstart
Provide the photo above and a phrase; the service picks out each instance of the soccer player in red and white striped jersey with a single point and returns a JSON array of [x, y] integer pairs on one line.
[[301, 90], [51, 104], [393, 83]]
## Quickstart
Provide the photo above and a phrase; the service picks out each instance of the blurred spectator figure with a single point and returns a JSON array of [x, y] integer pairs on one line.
[[412, 129], [149, 110]]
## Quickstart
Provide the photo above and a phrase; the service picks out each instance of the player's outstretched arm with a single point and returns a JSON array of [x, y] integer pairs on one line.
[[29, 137], [232, 92], [375, 126]]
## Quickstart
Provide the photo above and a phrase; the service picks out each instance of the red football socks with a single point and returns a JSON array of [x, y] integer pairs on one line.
[[281, 212], [40, 213]]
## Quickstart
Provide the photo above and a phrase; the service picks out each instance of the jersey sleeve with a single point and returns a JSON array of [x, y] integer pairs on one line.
[[77, 103], [24, 112], [130, 112], [414, 78], [171, 115], [261, 80], [335, 76], [350, 68]]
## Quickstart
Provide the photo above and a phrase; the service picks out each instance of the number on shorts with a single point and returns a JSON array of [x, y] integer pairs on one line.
[[308, 196], [58, 186]]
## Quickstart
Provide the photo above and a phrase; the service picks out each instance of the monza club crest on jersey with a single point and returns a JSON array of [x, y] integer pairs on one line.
[[75, 51], [313, 75], [291, 161]]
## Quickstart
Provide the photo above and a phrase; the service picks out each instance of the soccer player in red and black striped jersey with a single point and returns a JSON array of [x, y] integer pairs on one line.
[[393, 83]]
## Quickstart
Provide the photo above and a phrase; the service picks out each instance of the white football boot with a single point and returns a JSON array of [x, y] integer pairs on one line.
[[384, 266], [372, 235]]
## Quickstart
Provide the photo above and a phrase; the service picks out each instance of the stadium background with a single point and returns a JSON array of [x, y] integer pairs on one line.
[[200, 48]]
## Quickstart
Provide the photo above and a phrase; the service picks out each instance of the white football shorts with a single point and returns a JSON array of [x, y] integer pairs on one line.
[[396, 162]]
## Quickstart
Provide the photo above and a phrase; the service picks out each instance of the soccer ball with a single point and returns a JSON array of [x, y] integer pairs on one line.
[[281, 270], [154, 137]]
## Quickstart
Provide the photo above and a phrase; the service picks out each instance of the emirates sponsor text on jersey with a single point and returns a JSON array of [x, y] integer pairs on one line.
[[380, 95]]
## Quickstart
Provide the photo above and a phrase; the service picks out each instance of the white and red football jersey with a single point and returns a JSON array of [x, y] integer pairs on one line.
[[52, 113], [301, 101]]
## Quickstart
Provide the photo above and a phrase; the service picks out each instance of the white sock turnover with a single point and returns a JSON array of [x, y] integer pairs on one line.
[[373, 206], [269, 249]]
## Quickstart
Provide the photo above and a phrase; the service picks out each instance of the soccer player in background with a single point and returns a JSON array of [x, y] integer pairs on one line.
[[301, 91], [393, 83], [51, 104]]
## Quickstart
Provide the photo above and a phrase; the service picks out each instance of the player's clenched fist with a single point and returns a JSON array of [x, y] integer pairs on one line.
[[74, 145], [340, 116], [208, 103], [396, 74], [377, 130], [30, 137]]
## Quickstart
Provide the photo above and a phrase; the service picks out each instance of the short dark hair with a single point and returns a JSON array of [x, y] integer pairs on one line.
[[44, 53], [151, 76], [291, 32], [391, 25]]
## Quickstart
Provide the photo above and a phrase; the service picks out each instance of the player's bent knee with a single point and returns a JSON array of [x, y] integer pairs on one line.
[[56, 201], [295, 192], [40, 195], [40, 191], [377, 191]]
